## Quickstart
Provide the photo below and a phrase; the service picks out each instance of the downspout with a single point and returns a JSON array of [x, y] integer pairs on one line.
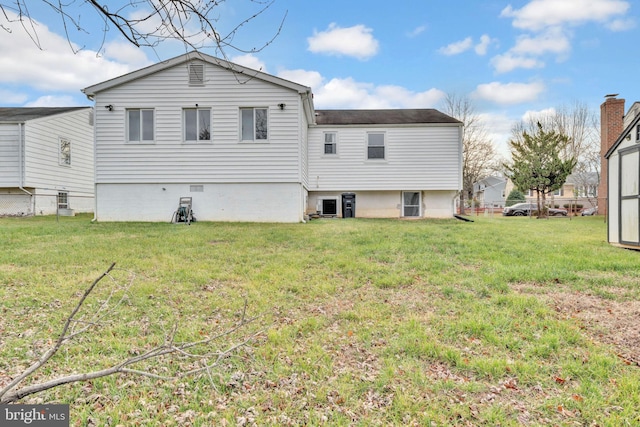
[[21, 171]]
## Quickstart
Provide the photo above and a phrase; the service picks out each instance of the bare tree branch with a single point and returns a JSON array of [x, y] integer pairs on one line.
[[144, 23], [10, 394]]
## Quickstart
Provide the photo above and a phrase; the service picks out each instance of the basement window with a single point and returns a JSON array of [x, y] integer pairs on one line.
[[63, 200]]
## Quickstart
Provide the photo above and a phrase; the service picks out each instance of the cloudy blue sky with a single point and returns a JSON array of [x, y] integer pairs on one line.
[[512, 58]]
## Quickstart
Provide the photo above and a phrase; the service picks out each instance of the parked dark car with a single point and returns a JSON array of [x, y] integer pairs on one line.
[[526, 209], [590, 211]]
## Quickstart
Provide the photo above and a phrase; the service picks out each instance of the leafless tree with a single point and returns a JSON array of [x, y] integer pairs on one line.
[[143, 23], [478, 151], [77, 324]]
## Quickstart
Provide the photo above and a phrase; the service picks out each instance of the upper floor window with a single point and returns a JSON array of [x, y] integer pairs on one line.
[[330, 143], [254, 124], [64, 157], [197, 124], [140, 125], [638, 133], [375, 145]]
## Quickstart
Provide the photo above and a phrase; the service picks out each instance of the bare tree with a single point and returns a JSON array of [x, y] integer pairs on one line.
[[478, 151], [143, 23], [76, 324]]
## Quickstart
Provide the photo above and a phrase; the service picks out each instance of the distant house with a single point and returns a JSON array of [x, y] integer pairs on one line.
[[623, 176], [490, 192], [249, 146], [579, 190], [46, 160]]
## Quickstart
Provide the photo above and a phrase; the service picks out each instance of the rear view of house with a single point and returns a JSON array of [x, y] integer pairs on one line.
[[46, 160], [243, 145]]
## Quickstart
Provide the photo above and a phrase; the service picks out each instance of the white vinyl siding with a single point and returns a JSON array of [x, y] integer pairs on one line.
[[9, 155], [42, 152], [419, 157], [226, 159]]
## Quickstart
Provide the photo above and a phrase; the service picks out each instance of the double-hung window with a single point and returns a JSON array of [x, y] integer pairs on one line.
[[254, 124], [330, 143], [197, 124], [64, 157], [376, 145], [140, 125], [411, 204]]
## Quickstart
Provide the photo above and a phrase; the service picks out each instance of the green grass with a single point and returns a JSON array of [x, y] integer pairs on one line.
[[366, 322]]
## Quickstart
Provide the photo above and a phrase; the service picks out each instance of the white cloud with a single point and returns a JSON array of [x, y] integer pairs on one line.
[[55, 67], [553, 40], [9, 98], [509, 93], [356, 41], [126, 53], [349, 93], [621, 24], [531, 116], [457, 47], [508, 62], [485, 42], [250, 61], [417, 31], [312, 79], [53, 101], [539, 14]]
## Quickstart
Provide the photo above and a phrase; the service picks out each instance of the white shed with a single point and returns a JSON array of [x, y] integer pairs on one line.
[[623, 164]]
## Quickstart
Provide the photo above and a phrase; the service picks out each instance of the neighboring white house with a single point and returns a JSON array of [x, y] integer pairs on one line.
[[249, 146], [490, 192], [623, 164], [46, 160]]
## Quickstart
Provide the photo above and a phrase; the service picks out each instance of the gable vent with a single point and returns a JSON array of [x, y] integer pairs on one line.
[[196, 74]]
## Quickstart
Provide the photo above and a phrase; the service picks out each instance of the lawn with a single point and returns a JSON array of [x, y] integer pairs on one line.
[[500, 321]]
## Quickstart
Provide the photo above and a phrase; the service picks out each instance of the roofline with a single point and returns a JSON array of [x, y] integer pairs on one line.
[[69, 111], [91, 91], [387, 125], [622, 136]]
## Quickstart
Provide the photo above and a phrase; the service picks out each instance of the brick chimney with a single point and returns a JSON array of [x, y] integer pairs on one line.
[[611, 126]]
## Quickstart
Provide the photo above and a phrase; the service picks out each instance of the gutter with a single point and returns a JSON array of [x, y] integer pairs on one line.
[[21, 148]]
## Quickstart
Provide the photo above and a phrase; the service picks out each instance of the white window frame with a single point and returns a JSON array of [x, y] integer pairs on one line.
[[63, 200], [198, 124], [333, 143], [64, 159], [255, 137], [419, 205], [384, 146], [142, 128]]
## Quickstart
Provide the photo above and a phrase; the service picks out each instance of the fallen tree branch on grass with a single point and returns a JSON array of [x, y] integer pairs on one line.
[[10, 393]]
